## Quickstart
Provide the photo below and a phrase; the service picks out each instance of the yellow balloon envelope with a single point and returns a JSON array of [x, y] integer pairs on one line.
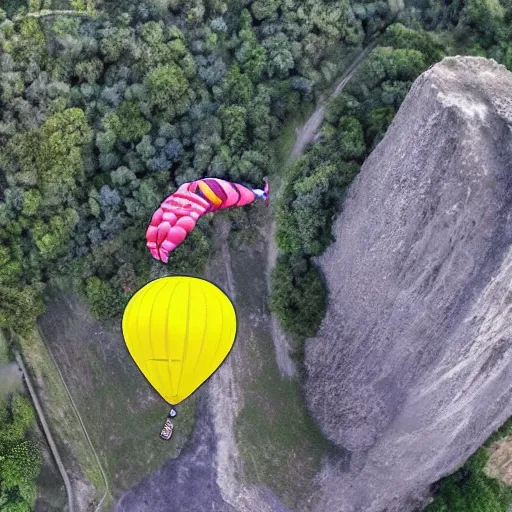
[[179, 330]]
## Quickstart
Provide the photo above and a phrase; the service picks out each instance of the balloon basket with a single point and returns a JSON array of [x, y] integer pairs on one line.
[[167, 429]]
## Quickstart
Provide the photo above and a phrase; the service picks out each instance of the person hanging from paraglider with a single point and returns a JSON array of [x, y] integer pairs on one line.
[[179, 213]]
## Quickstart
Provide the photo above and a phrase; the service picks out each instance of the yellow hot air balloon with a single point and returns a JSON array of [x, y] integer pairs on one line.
[[179, 330]]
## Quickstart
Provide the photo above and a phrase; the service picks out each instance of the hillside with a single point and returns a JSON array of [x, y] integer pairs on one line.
[[411, 367]]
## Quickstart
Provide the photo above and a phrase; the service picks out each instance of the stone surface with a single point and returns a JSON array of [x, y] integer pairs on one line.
[[412, 367]]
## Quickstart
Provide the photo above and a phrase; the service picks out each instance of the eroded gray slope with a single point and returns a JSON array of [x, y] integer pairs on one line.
[[412, 366], [184, 484]]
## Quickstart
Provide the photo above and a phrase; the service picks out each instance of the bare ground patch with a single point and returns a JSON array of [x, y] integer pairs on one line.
[[499, 464]]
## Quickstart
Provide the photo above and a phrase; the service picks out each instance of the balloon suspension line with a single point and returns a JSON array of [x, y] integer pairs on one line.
[[166, 432]]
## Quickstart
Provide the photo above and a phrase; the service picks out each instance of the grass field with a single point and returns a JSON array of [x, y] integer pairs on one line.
[[121, 412], [280, 444], [77, 456]]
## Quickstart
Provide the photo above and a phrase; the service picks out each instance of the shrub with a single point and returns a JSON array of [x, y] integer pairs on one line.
[[299, 295], [104, 301]]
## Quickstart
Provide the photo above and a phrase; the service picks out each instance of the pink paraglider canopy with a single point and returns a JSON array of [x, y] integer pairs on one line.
[[178, 214]]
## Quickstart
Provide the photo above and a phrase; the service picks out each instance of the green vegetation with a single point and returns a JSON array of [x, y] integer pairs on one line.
[[470, 489], [102, 297], [299, 296], [102, 117], [20, 458], [20, 455], [354, 124]]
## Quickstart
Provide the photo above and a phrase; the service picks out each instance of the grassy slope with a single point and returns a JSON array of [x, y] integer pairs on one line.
[[279, 442], [280, 445], [76, 454], [122, 414]]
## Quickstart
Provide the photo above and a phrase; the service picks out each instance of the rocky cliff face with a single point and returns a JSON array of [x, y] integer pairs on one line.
[[412, 367]]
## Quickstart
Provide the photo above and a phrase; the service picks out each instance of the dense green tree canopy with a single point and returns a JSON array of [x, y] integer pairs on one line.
[[20, 460]]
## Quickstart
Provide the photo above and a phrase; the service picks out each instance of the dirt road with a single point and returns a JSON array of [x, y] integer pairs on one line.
[[307, 133]]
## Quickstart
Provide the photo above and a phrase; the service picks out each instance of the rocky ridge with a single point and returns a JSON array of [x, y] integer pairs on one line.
[[411, 367]]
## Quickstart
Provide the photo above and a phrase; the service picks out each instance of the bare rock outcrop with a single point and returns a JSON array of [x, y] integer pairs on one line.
[[412, 367]]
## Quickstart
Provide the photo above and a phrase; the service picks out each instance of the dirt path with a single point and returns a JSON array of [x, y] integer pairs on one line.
[[305, 135], [47, 431], [226, 399], [225, 403]]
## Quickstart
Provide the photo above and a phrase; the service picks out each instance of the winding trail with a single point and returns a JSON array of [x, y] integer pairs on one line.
[[226, 401], [305, 135], [47, 431]]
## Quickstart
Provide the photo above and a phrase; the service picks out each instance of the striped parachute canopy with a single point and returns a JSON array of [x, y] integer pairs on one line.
[[178, 214]]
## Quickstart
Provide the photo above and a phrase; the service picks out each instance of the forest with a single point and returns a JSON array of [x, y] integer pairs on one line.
[[20, 460], [108, 106]]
